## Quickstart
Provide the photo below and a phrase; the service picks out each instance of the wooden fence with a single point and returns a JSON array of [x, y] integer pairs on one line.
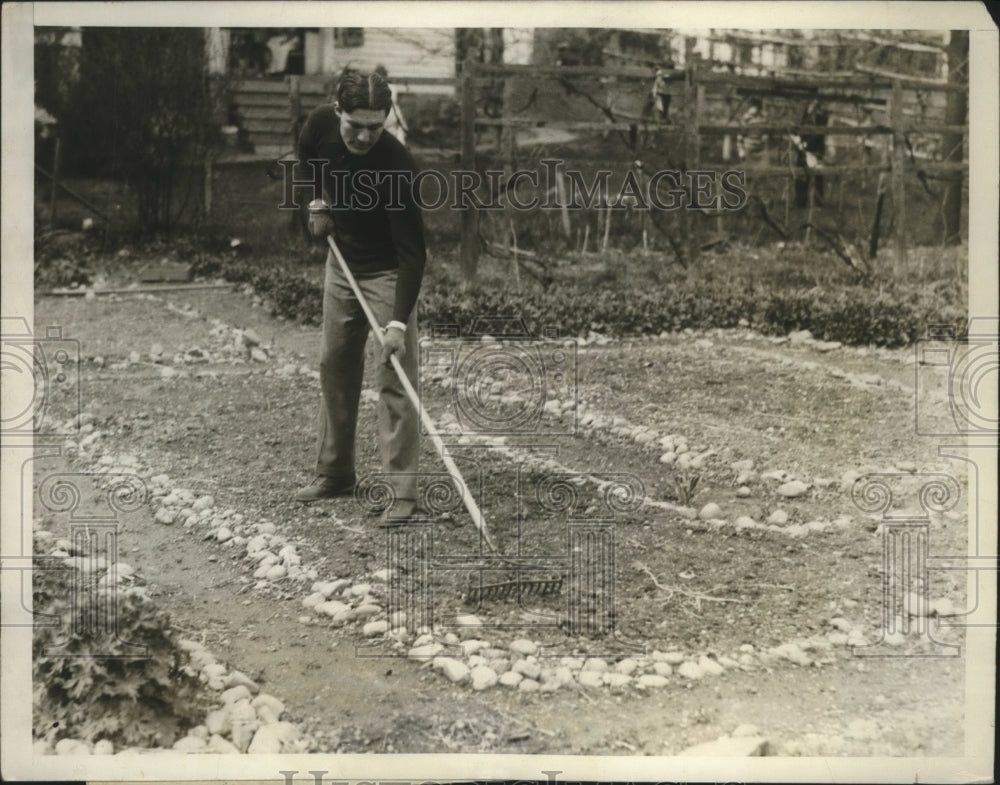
[[691, 120], [691, 86]]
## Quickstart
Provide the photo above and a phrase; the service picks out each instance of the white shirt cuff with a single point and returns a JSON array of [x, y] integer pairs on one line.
[[396, 324]]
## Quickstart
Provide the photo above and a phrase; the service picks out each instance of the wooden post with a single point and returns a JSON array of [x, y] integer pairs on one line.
[[684, 215], [951, 144], [294, 108], [694, 100], [898, 171], [508, 133], [873, 237], [469, 248], [810, 204], [208, 185], [644, 218], [788, 204], [55, 180], [517, 265], [607, 227], [699, 112], [564, 208], [508, 154]]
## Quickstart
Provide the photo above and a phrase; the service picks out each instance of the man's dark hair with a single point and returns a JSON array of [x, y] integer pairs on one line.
[[360, 90]]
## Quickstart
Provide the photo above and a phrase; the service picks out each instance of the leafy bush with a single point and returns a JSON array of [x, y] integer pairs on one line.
[[63, 258], [292, 295], [852, 314], [96, 693], [55, 273]]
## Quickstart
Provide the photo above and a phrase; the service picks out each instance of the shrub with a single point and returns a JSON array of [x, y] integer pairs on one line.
[[63, 259], [55, 273], [852, 314], [145, 110], [96, 693]]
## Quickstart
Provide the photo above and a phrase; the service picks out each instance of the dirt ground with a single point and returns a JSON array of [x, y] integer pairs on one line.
[[245, 432]]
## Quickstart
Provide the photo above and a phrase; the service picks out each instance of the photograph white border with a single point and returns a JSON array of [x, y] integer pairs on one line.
[[16, 234]]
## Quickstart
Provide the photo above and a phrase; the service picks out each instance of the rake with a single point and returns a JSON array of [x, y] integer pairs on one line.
[[539, 587], [533, 587]]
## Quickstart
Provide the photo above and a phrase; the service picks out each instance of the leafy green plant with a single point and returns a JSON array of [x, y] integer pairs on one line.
[[63, 258], [852, 314], [53, 273], [95, 691], [683, 487]]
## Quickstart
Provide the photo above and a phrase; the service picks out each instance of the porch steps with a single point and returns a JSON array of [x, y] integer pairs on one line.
[[265, 110]]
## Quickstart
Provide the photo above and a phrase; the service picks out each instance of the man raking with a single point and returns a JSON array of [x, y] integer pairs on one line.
[[379, 229]]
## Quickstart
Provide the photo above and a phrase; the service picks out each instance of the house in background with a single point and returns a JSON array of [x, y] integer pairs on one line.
[[324, 51], [265, 58], [280, 74]]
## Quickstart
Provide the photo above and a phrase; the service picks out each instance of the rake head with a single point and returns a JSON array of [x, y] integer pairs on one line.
[[519, 588]]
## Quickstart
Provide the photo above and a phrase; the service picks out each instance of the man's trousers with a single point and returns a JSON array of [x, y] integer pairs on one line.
[[345, 332]]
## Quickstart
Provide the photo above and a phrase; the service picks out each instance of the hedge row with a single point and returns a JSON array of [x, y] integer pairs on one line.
[[853, 315], [858, 315]]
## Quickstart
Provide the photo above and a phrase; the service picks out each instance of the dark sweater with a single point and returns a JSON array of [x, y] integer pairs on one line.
[[376, 239]]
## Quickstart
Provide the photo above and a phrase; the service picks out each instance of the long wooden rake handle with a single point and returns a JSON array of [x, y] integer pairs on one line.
[[470, 503]]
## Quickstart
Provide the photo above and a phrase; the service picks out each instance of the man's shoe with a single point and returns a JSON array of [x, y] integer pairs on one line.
[[326, 488], [403, 512]]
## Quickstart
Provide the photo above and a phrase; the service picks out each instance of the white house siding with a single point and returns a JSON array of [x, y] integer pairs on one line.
[[404, 51]]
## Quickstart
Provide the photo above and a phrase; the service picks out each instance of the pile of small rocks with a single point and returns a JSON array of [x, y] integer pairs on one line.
[[710, 513], [479, 662], [590, 419], [777, 520], [343, 601], [239, 345], [230, 345], [114, 576], [271, 556], [82, 436], [244, 721]]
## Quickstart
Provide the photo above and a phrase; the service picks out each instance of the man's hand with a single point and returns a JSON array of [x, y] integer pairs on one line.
[[320, 225], [393, 343], [320, 220]]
